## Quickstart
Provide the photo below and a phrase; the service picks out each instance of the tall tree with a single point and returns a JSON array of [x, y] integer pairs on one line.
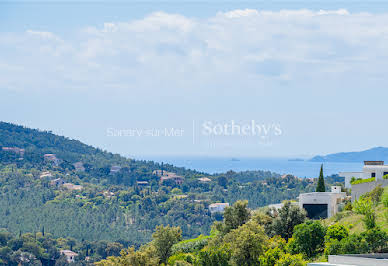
[[247, 243], [164, 238], [235, 216], [321, 181], [309, 238], [286, 219]]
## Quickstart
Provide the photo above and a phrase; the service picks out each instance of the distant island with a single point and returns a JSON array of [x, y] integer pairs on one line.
[[296, 160], [377, 153]]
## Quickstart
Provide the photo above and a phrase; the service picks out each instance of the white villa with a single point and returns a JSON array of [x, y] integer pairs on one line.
[[371, 169], [322, 204], [218, 207], [70, 255]]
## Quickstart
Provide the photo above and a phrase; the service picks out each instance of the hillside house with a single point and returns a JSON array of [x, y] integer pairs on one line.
[[375, 169], [177, 179], [142, 183], [49, 157], [79, 166], [108, 194], [70, 255], [158, 172], [115, 169], [57, 182], [218, 207], [16, 150], [321, 205], [45, 174], [204, 179], [71, 186], [164, 175]]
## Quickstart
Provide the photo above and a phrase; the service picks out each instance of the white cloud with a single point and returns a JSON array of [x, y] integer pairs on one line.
[[43, 35], [256, 48], [240, 13]]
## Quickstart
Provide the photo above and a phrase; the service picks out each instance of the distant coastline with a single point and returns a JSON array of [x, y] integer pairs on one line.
[[213, 165], [373, 154], [296, 160]]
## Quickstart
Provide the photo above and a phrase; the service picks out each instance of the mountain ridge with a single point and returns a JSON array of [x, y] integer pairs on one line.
[[373, 154]]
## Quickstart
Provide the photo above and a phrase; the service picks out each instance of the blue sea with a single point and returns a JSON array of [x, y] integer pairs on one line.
[[213, 165]]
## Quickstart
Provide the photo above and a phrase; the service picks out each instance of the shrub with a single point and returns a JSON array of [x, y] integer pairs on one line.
[[181, 258], [291, 260], [353, 244], [348, 206], [385, 199], [336, 231], [360, 180], [309, 238], [271, 256], [370, 219], [385, 177], [374, 195], [213, 256], [333, 247], [364, 206], [291, 246], [377, 240], [190, 245]]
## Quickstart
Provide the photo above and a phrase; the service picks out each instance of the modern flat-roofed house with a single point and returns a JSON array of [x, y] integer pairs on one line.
[[218, 207], [375, 169], [320, 205], [70, 255]]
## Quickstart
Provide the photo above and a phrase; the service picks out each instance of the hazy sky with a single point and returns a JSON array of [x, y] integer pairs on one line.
[[251, 79]]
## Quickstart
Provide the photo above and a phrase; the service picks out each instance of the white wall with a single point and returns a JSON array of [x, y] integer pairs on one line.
[[328, 198], [348, 176]]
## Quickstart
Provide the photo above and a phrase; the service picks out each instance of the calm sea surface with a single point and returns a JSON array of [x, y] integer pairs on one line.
[[279, 165]]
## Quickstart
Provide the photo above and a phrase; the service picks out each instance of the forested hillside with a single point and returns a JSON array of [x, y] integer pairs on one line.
[[74, 190], [269, 237]]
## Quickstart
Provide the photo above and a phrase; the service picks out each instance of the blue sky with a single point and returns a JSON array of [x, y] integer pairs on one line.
[[316, 70]]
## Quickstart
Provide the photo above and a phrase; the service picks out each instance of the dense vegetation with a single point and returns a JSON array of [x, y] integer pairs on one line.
[[112, 205], [120, 209], [264, 237], [42, 248]]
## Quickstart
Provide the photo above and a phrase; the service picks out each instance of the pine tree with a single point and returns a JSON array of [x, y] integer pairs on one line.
[[321, 181]]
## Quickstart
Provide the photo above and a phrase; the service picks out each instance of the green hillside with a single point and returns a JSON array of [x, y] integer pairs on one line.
[[355, 220], [111, 197]]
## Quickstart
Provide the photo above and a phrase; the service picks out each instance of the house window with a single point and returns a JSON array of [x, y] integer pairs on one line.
[[373, 174]]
